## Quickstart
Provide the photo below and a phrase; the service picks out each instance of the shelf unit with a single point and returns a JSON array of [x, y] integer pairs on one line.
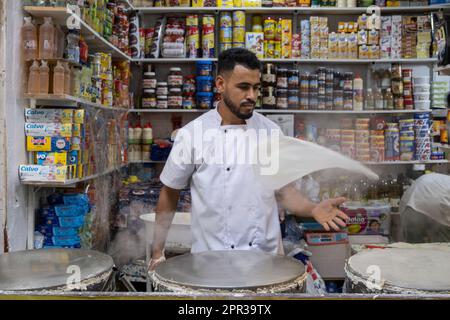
[[71, 182], [66, 100], [61, 15], [284, 111]]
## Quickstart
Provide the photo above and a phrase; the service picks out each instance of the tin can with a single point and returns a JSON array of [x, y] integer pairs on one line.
[[269, 47], [192, 20], [270, 28], [225, 46], [208, 43], [226, 35], [238, 34], [239, 18], [193, 41]]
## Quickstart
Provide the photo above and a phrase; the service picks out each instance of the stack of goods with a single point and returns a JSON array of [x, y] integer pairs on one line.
[[392, 139], [254, 41], [192, 36], [368, 37], [175, 83], [102, 79], [208, 42], [189, 89], [134, 37], [319, 37], [439, 91], [60, 221], [174, 38], [423, 37], [422, 93], [386, 37], [149, 90], [269, 82], [238, 29], [57, 138], [205, 85], [362, 144], [305, 38], [422, 132], [407, 137], [139, 142], [282, 88], [377, 141]]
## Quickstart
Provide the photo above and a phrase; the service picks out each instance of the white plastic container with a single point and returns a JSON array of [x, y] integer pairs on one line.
[[424, 96], [179, 238], [421, 80], [422, 105], [422, 88]]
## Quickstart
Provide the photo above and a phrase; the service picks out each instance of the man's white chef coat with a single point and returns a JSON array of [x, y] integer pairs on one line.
[[230, 209]]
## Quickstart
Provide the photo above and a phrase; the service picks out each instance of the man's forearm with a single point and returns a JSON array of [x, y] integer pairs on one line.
[[165, 211], [295, 202]]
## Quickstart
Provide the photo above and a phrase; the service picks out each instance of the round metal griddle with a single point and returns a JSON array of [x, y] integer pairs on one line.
[[48, 269], [230, 270]]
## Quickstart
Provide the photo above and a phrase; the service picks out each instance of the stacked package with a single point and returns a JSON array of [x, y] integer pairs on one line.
[[192, 36], [422, 133], [362, 134], [348, 141], [409, 37], [396, 37], [319, 37], [440, 90], [422, 92], [57, 139], [305, 39], [60, 221], [174, 41], [392, 142], [407, 140], [238, 29], [385, 37], [423, 37]]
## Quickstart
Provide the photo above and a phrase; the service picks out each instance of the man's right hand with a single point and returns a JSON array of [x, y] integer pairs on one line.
[[157, 258]]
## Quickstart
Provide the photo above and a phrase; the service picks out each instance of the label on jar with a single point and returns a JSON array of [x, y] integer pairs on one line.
[[282, 103], [282, 82], [148, 103], [149, 83], [269, 101], [162, 91], [175, 80], [175, 102], [269, 78]]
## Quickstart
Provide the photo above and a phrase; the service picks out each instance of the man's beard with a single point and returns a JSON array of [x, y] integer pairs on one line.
[[235, 109]]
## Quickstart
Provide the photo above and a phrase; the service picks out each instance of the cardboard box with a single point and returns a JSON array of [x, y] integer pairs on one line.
[[254, 41], [43, 173], [285, 122], [48, 129], [51, 158], [49, 115], [49, 144]]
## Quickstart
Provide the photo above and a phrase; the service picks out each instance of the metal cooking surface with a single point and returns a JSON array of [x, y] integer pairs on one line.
[[48, 268], [230, 269]]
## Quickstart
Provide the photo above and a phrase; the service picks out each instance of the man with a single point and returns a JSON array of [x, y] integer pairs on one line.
[[230, 209], [425, 210]]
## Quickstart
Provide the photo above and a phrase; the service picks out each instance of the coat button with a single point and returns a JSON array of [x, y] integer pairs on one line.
[[232, 246], [226, 131], [250, 244], [228, 169]]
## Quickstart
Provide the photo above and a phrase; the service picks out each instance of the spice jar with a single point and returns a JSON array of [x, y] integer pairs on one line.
[[175, 78], [293, 79], [282, 80], [175, 99], [269, 78], [149, 80], [149, 99]]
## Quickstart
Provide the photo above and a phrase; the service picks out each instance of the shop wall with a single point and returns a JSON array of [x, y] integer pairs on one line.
[[16, 155], [2, 126]]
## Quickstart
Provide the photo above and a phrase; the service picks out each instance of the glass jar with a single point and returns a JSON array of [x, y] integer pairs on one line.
[[162, 89], [282, 99], [149, 80], [282, 79], [269, 77], [149, 99], [189, 84], [293, 79], [189, 101], [269, 101], [175, 78], [293, 100], [175, 99], [162, 102]]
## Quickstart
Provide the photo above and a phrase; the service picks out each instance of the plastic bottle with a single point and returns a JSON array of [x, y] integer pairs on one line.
[[47, 39], [388, 100], [378, 97], [138, 134], [44, 72], [76, 82], [147, 136], [67, 79], [358, 98], [369, 102], [29, 38], [33, 78], [59, 43], [58, 79], [131, 135]]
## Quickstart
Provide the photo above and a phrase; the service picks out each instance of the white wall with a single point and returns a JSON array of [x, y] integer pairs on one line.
[[2, 127], [15, 140]]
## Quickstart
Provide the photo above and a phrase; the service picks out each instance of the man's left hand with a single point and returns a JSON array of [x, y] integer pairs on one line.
[[328, 215]]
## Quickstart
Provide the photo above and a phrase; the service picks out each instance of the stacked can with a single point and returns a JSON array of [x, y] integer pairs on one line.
[[392, 138], [305, 49], [293, 85], [278, 38], [239, 29], [193, 36], [321, 84], [377, 145], [226, 31], [313, 92], [208, 43], [422, 134], [270, 28], [408, 100], [329, 88], [407, 140], [362, 144]]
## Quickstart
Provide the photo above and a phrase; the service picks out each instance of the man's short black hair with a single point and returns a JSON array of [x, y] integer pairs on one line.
[[228, 59]]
